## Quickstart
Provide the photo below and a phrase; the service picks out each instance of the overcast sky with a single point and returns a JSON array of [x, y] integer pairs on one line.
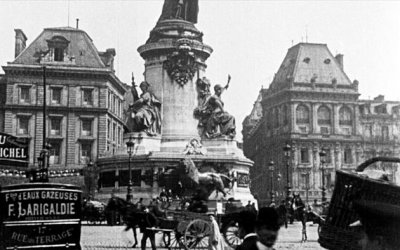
[[250, 38]]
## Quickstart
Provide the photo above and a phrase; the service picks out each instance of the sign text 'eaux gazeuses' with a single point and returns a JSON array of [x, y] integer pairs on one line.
[[40, 215]]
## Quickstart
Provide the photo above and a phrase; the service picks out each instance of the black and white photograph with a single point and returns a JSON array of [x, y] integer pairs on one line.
[[199, 124]]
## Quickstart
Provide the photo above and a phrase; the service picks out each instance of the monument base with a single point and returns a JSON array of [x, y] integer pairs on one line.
[[144, 144], [222, 146]]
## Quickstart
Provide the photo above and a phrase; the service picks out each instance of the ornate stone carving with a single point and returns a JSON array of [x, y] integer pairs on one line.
[[194, 147], [181, 64]]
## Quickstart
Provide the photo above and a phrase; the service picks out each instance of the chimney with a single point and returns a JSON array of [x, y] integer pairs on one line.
[[339, 59], [20, 41], [110, 53]]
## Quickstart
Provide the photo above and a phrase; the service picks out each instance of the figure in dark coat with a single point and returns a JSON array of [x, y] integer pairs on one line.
[[148, 221], [247, 221]]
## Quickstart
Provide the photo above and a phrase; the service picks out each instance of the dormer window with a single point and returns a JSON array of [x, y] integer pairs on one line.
[[58, 54], [58, 47]]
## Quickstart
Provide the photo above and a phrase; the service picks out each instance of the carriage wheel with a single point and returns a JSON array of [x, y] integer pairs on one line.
[[176, 240], [231, 234], [197, 234]]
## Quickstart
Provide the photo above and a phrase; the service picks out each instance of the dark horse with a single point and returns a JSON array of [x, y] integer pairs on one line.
[[300, 214], [211, 181], [131, 214]]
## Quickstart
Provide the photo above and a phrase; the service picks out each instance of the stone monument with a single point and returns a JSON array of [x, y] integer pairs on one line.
[[177, 117]]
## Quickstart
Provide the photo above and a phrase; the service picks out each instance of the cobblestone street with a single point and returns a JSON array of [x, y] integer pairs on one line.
[[106, 237]]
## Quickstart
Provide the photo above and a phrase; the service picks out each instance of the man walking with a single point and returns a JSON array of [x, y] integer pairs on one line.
[[147, 223]]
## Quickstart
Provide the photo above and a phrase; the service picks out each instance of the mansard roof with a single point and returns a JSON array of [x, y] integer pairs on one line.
[[308, 62], [80, 49]]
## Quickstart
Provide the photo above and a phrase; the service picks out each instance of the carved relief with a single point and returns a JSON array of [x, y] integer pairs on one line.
[[181, 64], [194, 147]]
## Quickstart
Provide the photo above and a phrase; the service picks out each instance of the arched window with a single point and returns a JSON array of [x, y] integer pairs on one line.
[[302, 115], [58, 45], [324, 116], [345, 116]]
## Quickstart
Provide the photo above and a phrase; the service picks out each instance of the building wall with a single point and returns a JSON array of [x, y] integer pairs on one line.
[[343, 133]]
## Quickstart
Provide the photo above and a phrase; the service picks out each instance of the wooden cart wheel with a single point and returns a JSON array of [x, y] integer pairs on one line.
[[231, 234], [196, 234], [176, 241]]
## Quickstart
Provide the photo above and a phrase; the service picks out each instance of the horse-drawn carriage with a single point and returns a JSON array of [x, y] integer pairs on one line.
[[184, 222]]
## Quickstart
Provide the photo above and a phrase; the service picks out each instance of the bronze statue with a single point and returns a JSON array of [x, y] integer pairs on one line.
[[180, 9], [145, 113], [214, 121], [209, 180]]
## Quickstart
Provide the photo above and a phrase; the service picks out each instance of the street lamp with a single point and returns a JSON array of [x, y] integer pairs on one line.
[[90, 174], [129, 144], [271, 169], [287, 149], [307, 184], [322, 156]]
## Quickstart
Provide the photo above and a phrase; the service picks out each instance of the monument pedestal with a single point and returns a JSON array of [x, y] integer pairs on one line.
[[175, 57], [222, 146], [144, 144]]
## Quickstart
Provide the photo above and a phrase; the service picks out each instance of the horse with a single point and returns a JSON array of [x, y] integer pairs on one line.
[[300, 213], [211, 181], [131, 214]]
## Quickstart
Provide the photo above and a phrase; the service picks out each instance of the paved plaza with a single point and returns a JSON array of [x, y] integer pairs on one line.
[[114, 237]]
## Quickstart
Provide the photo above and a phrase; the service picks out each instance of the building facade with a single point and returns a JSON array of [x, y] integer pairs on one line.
[[313, 107], [84, 99]]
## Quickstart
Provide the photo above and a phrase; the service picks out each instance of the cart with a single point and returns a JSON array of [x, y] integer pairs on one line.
[[183, 229]]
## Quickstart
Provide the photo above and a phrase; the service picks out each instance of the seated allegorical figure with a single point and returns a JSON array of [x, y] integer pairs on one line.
[[145, 113], [214, 120]]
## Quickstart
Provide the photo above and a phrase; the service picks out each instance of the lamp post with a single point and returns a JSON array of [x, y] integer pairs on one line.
[[278, 179], [90, 174], [271, 169], [129, 144], [322, 156], [307, 185], [42, 174], [287, 149]]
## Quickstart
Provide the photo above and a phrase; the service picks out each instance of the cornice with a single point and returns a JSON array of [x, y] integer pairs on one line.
[[64, 73], [61, 109]]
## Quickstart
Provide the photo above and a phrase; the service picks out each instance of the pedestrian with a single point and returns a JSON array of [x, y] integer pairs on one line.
[[139, 204], [267, 228], [147, 224], [247, 221], [215, 240], [380, 223], [282, 212], [248, 206]]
